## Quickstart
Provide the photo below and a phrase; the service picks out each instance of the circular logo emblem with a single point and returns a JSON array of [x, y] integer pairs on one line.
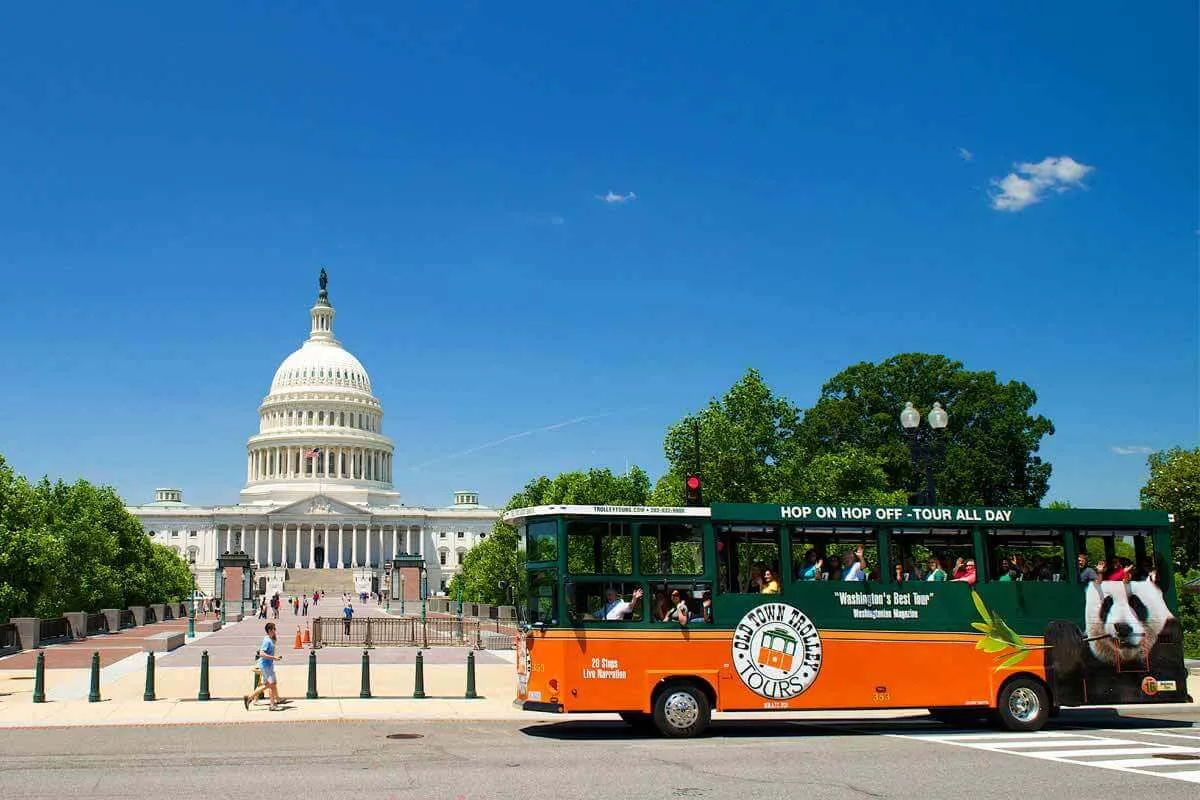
[[776, 651], [1149, 685]]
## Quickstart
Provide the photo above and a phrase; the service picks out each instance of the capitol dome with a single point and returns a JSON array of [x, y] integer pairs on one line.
[[320, 427]]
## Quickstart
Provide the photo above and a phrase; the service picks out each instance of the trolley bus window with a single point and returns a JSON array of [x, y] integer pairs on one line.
[[670, 548], [819, 553], [930, 554], [599, 548], [1114, 553], [542, 599], [697, 595], [541, 540], [1025, 555], [605, 601], [744, 552]]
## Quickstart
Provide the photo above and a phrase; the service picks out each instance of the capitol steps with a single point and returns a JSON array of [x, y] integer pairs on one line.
[[330, 581]]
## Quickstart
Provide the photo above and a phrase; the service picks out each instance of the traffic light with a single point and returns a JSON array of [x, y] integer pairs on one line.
[[692, 491]]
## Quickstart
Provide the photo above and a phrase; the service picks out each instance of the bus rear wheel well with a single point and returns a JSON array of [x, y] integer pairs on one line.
[[1014, 676], [690, 680]]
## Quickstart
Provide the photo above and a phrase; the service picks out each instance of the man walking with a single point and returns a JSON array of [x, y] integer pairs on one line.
[[266, 663], [305, 607], [347, 615]]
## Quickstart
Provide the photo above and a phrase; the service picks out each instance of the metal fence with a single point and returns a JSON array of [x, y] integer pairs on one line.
[[96, 624], [411, 632], [53, 630], [10, 642], [126, 619]]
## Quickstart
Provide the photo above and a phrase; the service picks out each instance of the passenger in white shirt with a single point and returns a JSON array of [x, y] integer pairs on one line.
[[616, 609]]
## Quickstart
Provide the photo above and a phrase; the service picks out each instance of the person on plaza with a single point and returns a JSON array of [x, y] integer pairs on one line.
[[266, 662], [347, 615], [304, 607], [316, 598]]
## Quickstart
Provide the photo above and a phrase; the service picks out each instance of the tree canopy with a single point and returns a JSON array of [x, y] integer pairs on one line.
[[74, 547], [1174, 486], [495, 559], [990, 444]]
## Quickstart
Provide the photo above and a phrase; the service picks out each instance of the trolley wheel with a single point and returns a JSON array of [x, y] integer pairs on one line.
[[682, 710], [958, 717], [638, 720], [1023, 705]]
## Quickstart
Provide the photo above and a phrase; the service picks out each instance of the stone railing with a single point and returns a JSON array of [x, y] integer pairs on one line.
[[28, 633]]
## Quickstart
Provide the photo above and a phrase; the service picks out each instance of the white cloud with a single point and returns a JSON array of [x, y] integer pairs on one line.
[[1132, 450], [614, 198], [1029, 183], [965, 154]]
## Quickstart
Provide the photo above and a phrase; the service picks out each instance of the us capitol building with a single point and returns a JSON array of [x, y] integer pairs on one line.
[[318, 509]]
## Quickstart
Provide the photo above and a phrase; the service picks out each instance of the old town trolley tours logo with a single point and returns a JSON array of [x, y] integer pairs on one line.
[[776, 651]]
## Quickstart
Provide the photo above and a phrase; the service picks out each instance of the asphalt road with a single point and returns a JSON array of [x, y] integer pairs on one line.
[[574, 759]]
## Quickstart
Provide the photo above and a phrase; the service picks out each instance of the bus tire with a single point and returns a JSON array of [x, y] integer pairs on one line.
[[1023, 705], [682, 710]]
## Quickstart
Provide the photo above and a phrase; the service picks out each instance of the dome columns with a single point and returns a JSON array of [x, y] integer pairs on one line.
[[334, 462]]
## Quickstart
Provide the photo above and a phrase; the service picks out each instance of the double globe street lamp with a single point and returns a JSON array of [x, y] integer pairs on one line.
[[925, 444]]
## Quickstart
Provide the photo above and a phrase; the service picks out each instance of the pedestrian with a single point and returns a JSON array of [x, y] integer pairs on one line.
[[347, 615], [295, 606], [305, 614], [316, 598], [266, 662]]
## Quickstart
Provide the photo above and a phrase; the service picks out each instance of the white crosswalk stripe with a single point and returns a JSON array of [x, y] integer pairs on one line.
[[1156, 752]]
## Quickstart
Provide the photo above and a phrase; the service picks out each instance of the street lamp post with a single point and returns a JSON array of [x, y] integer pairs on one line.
[[402, 594], [925, 444], [192, 613]]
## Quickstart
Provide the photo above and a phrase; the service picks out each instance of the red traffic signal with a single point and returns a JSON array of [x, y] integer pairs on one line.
[[692, 491]]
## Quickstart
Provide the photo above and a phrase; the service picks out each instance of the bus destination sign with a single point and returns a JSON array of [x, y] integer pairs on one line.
[[894, 514]]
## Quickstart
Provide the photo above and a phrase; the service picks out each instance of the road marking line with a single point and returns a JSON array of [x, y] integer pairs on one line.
[[1012, 737], [1195, 738], [1060, 755], [1021, 747]]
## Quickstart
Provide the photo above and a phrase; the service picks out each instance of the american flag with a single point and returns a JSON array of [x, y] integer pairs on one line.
[[312, 452]]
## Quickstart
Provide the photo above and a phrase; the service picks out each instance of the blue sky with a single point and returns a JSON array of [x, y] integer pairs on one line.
[[811, 187]]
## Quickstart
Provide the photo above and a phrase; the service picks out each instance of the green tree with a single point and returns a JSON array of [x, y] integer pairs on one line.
[[849, 475], [747, 441], [991, 443], [74, 547], [497, 558], [1174, 486]]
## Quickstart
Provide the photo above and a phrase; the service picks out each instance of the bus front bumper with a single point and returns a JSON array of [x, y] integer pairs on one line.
[[530, 705]]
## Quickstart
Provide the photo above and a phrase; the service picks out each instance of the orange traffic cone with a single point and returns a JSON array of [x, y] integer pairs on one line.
[[299, 644], [307, 639]]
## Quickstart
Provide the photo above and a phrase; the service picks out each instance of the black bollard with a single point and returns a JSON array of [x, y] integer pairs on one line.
[[39, 678], [204, 695], [470, 695], [312, 676], [94, 692], [148, 695], [365, 691], [419, 682]]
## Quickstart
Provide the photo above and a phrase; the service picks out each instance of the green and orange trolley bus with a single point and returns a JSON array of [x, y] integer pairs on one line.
[[664, 615]]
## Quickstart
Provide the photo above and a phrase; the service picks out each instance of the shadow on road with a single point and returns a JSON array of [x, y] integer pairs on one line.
[[918, 724]]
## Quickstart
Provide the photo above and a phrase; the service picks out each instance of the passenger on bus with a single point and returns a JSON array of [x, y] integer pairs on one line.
[[706, 605], [754, 586], [1146, 571], [615, 608], [811, 569], [936, 573], [770, 585], [965, 572], [898, 574], [678, 610], [855, 566], [1086, 574], [662, 604]]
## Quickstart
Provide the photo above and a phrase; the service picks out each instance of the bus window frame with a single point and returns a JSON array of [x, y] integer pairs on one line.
[[703, 532], [569, 582], [565, 542], [971, 535], [781, 539], [869, 535], [994, 534], [559, 540]]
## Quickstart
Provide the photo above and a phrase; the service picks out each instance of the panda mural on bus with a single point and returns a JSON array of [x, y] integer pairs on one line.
[[1130, 651]]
